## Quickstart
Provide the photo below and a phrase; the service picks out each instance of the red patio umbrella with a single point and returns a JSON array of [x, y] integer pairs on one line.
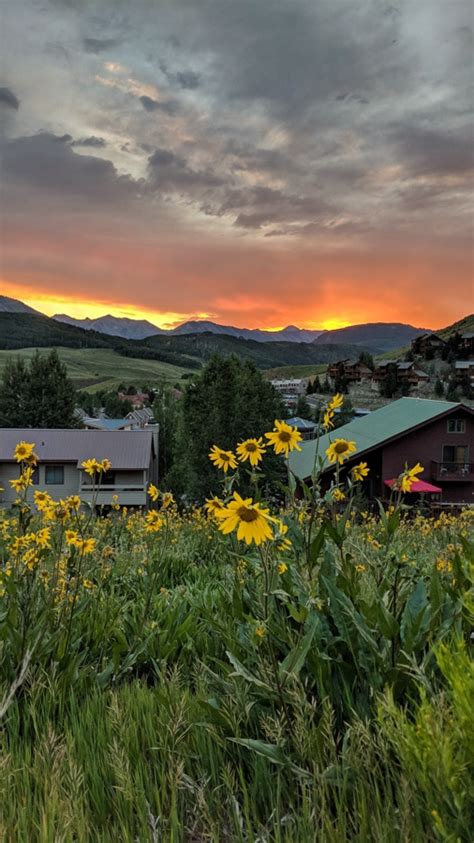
[[418, 486]]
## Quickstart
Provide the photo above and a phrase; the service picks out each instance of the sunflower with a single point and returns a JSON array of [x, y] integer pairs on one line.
[[408, 477], [340, 450], [334, 404], [24, 451], [252, 450], [222, 459], [338, 494], [213, 506], [153, 492], [251, 522], [154, 521], [284, 438], [91, 466], [360, 471]]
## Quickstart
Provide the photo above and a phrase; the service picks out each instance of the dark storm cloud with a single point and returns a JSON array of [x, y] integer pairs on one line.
[[435, 152], [261, 206], [92, 141], [98, 45], [168, 106], [188, 79], [170, 172], [8, 99], [46, 162]]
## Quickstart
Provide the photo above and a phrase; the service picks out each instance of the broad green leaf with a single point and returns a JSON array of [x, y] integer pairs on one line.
[[415, 618], [295, 659]]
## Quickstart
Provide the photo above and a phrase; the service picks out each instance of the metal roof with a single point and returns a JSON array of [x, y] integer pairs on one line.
[[302, 424], [105, 424], [368, 432], [127, 450]]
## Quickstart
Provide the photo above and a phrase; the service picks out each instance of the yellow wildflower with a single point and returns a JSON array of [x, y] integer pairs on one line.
[[154, 521], [284, 438], [222, 459], [360, 471], [408, 477], [252, 450], [282, 567], [251, 522], [153, 492], [24, 451], [338, 494], [340, 450]]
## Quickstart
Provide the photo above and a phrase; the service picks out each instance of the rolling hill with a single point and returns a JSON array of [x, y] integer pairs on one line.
[[377, 336]]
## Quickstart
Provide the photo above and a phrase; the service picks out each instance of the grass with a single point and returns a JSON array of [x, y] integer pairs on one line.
[[169, 683], [99, 368], [296, 371]]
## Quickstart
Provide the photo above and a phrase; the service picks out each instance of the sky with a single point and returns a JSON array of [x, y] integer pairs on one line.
[[255, 162]]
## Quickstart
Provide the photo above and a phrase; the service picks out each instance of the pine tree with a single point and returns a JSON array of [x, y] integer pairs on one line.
[[37, 395], [439, 388], [228, 402]]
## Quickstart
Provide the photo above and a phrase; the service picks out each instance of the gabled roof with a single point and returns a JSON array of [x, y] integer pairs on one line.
[[105, 424], [128, 450], [301, 424], [369, 432]]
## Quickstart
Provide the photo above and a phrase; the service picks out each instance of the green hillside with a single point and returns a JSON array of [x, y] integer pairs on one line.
[[265, 355], [92, 369], [463, 326]]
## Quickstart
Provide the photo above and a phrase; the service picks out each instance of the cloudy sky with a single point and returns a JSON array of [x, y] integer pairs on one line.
[[256, 162]]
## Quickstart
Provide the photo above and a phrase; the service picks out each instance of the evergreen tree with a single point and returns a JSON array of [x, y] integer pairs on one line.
[[389, 385], [439, 388], [316, 385], [303, 409], [229, 401], [13, 393], [37, 395], [366, 358]]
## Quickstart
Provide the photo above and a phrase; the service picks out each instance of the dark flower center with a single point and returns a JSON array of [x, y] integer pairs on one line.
[[247, 515]]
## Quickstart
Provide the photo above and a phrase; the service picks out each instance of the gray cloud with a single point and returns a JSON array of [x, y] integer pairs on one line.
[[93, 141], [170, 172], [98, 45], [8, 99], [168, 106], [188, 79], [46, 162]]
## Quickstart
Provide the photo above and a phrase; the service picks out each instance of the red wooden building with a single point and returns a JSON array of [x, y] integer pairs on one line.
[[437, 434]]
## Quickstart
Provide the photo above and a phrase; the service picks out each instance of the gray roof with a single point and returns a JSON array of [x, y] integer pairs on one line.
[[127, 450], [369, 432], [463, 364]]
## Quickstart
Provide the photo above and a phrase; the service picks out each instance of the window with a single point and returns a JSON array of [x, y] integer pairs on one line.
[[456, 426], [108, 478], [54, 475], [455, 454]]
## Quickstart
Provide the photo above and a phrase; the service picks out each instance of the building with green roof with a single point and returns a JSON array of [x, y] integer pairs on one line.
[[438, 434]]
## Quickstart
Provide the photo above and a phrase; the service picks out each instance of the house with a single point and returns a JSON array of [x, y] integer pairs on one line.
[[137, 400], [463, 368], [466, 345], [353, 371], [290, 386], [306, 427], [133, 456], [406, 373], [437, 434], [427, 345], [135, 420]]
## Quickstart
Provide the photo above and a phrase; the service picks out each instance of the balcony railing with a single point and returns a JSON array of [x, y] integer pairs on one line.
[[458, 471]]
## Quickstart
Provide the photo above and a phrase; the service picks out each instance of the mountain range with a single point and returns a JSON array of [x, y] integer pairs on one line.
[[377, 337], [138, 329]]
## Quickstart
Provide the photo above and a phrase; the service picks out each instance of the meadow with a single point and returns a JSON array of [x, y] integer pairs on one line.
[[231, 673], [92, 369]]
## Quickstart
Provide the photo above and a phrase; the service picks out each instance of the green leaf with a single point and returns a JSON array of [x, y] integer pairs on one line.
[[415, 618], [268, 750], [296, 658], [240, 670], [316, 545]]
